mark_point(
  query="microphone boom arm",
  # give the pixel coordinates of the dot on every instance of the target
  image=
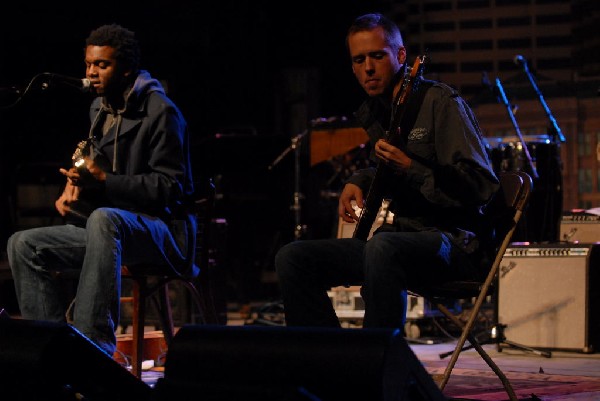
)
(554, 124)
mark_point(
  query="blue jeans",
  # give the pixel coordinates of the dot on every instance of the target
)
(112, 237)
(386, 266)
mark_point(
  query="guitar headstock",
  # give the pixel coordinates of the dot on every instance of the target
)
(82, 150)
(418, 66)
(411, 78)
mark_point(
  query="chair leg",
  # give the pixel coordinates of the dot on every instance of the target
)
(165, 313)
(138, 322)
(206, 291)
(466, 334)
(207, 315)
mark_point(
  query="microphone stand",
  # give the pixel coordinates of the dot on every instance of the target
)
(299, 228)
(504, 100)
(554, 125)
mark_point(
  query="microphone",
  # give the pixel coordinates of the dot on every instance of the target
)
(492, 88)
(83, 85)
(520, 60)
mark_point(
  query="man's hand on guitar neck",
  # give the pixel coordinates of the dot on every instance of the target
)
(392, 156)
(351, 192)
(92, 174)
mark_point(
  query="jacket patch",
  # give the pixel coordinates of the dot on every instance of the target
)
(417, 134)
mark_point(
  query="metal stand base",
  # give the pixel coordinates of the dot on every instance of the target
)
(496, 336)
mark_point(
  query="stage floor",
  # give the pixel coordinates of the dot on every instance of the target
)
(565, 376)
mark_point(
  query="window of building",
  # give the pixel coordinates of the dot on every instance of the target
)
(585, 180)
(514, 21)
(552, 19)
(501, 3)
(477, 66)
(466, 4)
(476, 24)
(558, 63)
(477, 45)
(439, 26)
(441, 67)
(437, 6)
(553, 41)
(553, 1)
(514, 43)
(441, 46)
(584, 147)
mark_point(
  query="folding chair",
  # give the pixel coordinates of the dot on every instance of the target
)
(505, 211)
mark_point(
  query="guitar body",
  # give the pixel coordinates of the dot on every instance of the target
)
(372, 203)
(384, 173)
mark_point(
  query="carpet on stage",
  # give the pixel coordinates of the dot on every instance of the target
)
(479, 385)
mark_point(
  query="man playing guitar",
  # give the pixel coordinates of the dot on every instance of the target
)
(437, 177)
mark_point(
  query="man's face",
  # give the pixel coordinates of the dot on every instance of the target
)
(103, 70)
(373, 62)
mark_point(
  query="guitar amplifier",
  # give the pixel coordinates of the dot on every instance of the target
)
(549, 296)
(580, 227)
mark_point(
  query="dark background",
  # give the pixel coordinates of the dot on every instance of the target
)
(230, 67)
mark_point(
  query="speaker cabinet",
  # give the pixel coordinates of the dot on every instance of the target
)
(548, 296)
(293, 363)
(46, 361)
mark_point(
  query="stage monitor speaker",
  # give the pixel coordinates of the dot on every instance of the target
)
(580, 227)
(45, 361)
(549, 296)
(291, 363)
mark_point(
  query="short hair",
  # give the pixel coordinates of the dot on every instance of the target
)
(127, 49)
(368, 22)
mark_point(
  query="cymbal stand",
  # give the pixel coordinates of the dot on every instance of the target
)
(299, 228)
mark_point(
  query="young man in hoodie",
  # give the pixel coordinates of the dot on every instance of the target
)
(124, 199)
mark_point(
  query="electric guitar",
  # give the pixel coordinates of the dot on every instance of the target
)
(396, 137)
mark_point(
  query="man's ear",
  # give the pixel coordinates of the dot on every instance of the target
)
(401, 56)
